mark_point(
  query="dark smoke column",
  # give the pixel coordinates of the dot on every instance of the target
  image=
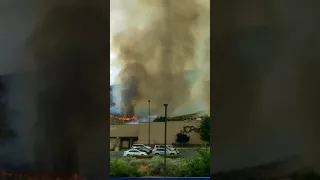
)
(129, 94)
(71, 52)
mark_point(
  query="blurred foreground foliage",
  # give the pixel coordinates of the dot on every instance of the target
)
(197, 166)
(124, 167)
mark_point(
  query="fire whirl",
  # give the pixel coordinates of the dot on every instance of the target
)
(123, 118)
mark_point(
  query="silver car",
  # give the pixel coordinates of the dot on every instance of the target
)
(134, 152)
(161, 151)
(141, 146)
(169, 147)
(142, 149)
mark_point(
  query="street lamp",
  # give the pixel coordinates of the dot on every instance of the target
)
(165, 139)
(149, 122)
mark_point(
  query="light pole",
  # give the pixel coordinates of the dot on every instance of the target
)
(165, 139)
(149, 122)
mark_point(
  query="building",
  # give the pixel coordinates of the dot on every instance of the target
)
(123, 136)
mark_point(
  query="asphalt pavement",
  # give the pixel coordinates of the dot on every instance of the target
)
(184, 153)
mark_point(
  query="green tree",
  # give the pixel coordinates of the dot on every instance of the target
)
(159, 119)
(205, 129)
(182, 138)
(197, 166)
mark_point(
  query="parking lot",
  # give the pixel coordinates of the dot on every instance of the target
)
(184, 153)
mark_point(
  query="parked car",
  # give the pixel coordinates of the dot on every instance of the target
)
(142, 149)
(171, 148)
(161, 151)
(134, 152)
(141, 146)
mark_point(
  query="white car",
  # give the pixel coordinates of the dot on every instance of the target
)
(160, 151)
(141, 146)
(134, 152)
(169, 147)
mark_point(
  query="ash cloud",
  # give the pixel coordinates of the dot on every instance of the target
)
(155, 43)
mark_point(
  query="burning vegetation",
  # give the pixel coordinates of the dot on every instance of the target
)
(120, 118)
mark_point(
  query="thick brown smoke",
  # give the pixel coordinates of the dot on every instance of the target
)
(156, 42)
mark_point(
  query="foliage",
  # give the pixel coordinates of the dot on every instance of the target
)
(159, 119)
(205, 129)
(182, 138)
(176, 119)
(197, 166)
(162, 119)
(156, 167)
(115, 121)
(119, 167)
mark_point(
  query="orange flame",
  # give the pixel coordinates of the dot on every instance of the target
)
(123, 118)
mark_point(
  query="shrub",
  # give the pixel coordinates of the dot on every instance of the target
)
(114, 121)
(205, 129)
(156, 167)
(144, 156)
(123, 167)
(182, 138)
(198, 166)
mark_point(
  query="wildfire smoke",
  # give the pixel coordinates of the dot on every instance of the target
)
(155, 42)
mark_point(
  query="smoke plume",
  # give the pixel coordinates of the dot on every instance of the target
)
(155, 43)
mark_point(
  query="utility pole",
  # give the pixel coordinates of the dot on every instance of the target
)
(165, 139)
(168, 55)
(149, 122)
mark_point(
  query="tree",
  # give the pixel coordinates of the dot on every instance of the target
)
(198, 165)
(159, 119)
(205, 129)
(182, 138)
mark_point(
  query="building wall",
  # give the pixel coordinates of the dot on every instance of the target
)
(141, 131)
(127, 130)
